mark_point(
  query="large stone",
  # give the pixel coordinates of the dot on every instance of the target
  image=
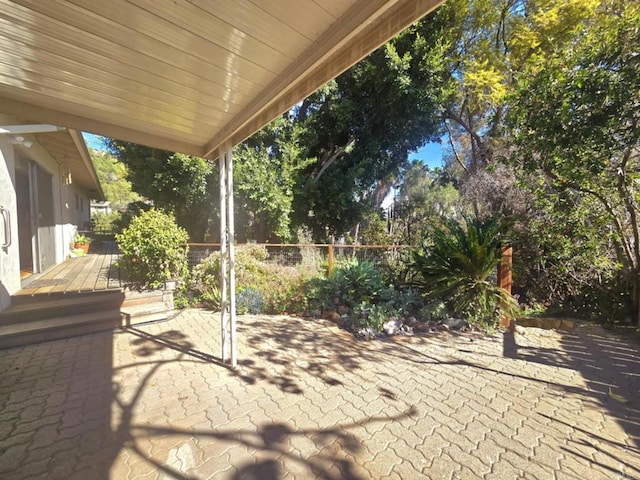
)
(421, 326)
(455, 323)
(392, 327)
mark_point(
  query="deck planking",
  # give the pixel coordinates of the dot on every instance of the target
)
(95, 271)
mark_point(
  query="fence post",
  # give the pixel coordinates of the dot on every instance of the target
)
(505, 279)
(330, 261)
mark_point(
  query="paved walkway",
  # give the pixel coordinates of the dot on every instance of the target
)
(311, 402)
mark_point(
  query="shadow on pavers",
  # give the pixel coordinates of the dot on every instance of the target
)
(69, 418)
(609, 363)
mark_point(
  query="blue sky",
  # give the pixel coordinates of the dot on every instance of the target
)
(430, 155)
(93, 141)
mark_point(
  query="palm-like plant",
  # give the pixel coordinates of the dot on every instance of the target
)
(459, 266)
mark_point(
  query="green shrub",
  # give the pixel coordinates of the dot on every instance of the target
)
(354, 282)
(460, 267)
(250, 301)
(372, 316)
(281, 287)
(154, 249)
(105, 223)
(205, 282)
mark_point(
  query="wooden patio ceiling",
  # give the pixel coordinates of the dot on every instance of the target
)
(183, 75)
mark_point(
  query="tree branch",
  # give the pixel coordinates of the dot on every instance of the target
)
(453, 147)
(607, 206)
(332, 158)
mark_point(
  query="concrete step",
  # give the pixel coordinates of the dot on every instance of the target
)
(144, 313)
(30, 332)
(41, 307)
(40, 318)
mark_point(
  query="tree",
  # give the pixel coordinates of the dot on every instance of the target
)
(265, 175)
(361, 127)
(175, 182)
(576, 118)
(489, 43)
(424, 197)
(113, 179)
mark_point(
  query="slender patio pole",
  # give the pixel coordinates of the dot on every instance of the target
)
(231, 254)
(224, 319)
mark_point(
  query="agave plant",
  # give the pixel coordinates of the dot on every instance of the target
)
(459, 267)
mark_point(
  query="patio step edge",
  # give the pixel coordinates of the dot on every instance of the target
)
(38, 331)
(69, 304)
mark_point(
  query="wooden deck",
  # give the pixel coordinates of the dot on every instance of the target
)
(89, 273)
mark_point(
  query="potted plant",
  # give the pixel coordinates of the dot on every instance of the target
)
(82, 242)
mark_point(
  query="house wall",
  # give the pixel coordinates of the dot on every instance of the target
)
(70, 208)
(9, 256)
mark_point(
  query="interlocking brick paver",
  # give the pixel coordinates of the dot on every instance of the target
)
(311, 402)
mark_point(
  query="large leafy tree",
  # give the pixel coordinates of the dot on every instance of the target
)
(178, 183)
(361, 127)
(113, 179)
(576, 117)
(489, 43)
(265, 175)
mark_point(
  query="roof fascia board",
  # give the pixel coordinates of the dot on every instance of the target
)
(80, 144)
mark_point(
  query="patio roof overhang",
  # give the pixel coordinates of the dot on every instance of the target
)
(188, 75)
(191, 76)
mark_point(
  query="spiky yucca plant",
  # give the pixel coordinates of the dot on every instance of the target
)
(458, 267)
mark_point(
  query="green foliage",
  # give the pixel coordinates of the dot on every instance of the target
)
(575, 120)
(435, 310)
(265, 176)
(361, 127)
(205, 282)
(280, 287)
(459, 268)
(372, 316)
(424, 197)
(112, 174)
(182, 184)
(81, 238)
(354, 282)
(250, 301)
(154, 249)
(105, 222)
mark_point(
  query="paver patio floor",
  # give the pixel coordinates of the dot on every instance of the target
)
(309, 401)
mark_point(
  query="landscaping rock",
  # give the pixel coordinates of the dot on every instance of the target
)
(333, 316)
(365, 334)
(392, 327)
(455, 323)
(410, 321)
(421, 326)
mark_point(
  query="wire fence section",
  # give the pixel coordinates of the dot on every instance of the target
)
(297, 254)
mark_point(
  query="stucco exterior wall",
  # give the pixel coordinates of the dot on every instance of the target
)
(9, 256)
(67, 209)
